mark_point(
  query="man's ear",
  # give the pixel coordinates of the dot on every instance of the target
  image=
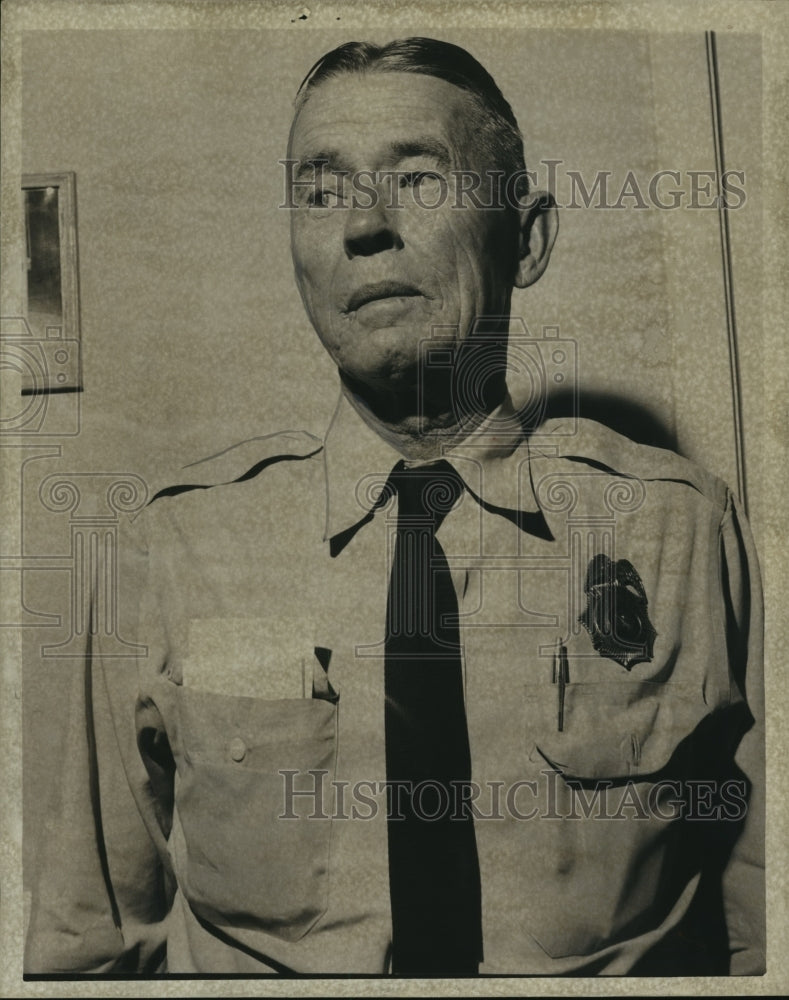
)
(539, 224)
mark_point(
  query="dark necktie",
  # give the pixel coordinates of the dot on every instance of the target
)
(433, 867)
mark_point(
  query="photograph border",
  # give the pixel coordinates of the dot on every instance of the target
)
(771, 21)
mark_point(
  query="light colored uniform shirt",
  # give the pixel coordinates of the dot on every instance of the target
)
(179, 844)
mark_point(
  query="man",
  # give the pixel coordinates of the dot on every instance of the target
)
(445, 694)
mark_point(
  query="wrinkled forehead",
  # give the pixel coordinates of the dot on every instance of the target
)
(366, 115)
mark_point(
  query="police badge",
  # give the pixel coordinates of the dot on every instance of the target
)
(616, 612)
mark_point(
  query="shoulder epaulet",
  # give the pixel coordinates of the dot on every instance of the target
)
(598, 445)
(240, 461)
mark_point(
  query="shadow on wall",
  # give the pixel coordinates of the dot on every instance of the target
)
(624, 416)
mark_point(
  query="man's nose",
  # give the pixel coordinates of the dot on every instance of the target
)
(369, 230)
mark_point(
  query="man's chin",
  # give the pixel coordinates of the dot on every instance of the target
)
(385, 377)
(386, 358)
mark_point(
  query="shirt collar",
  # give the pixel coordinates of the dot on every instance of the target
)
(493, 462)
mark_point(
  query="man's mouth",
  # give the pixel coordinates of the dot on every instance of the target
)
(380, 290)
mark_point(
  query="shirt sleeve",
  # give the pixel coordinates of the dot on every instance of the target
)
(744, 875)
(100, 892)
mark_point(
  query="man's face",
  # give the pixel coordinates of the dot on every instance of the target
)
(377, 279)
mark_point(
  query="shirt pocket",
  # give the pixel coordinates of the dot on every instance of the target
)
(246, 850)
(612, 730)
(607, 860)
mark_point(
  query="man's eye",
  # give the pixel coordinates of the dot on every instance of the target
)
(415, 178)
(324, 198)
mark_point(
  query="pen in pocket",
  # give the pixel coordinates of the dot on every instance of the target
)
(561, 675)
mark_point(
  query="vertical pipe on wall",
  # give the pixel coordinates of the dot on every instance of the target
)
(728, 286)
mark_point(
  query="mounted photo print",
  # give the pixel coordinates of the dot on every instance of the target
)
(52, 285)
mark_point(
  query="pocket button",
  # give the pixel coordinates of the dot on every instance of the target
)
(238, 749)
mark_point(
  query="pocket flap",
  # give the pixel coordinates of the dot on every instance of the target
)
(210, 723)
(612, 729)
